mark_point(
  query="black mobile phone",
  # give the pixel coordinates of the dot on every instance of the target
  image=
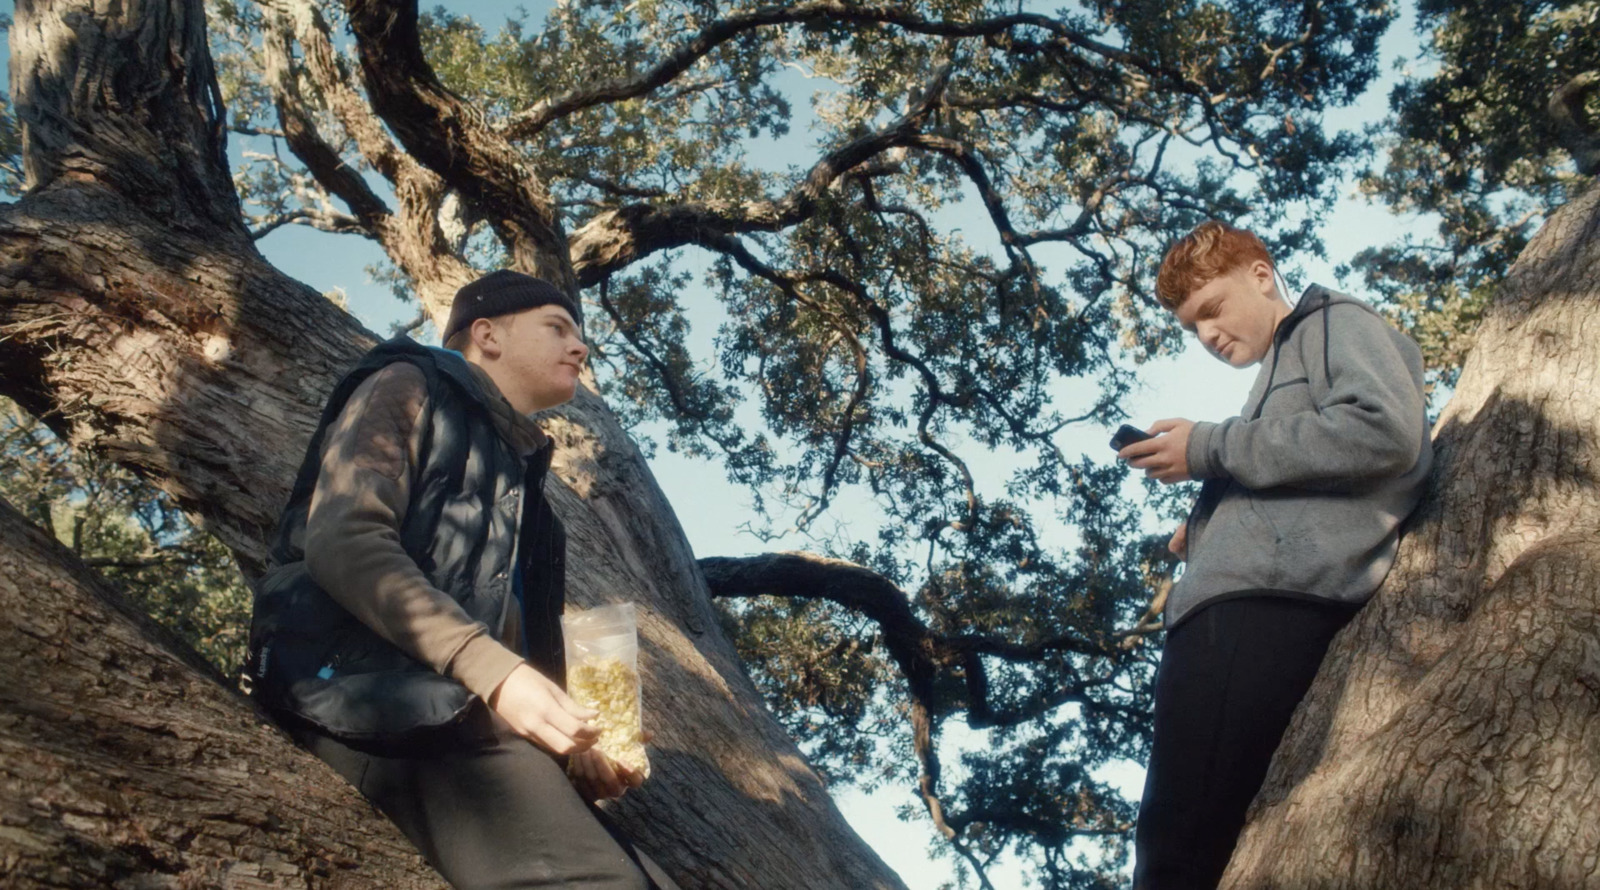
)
(1127, 435)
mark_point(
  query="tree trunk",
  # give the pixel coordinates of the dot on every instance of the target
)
(125, 762)
(1453, 737)
(137, 318)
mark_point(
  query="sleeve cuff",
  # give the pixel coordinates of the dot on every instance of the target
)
(1198, 452)
(483, 664)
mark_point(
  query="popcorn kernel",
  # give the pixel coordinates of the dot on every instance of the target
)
(611, 687)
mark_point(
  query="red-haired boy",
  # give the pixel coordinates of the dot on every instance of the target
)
(1296, 525)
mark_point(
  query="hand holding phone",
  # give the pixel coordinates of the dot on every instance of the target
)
(1166, 458)
(1127, 435)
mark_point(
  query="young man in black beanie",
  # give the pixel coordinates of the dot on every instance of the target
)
(408, 629)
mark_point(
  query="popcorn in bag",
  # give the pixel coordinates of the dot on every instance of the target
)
(603, 673)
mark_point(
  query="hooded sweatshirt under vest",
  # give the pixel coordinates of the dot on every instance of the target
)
(1304, 492)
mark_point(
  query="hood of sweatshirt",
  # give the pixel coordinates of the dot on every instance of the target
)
(1305, 490)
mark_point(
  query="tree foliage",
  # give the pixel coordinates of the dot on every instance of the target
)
(131, 534)
(1479, 140)
(948, 269)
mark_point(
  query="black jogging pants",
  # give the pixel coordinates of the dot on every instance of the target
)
(1231, 675)
(492, 816)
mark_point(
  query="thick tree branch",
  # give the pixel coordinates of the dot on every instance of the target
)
(806, 576)
(317, 219)
(796, 575)
(412, 236)
(621, 237)
(302, 22)
(921, 654)
(322, 160)
(127, 760)
(681, 59)
(257, 131)
(450, 137)
(71, 116)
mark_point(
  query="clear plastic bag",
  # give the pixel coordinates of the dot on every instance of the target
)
(603, 673)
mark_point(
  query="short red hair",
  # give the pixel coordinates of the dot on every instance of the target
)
(1209, 252)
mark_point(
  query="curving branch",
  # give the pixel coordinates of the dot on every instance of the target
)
(481, 162)
(790, 285)
(908, 639)
(729, 442)
(450, 137)
(999, 647)
(1313, 18)
(617, 238)
(735, 250)
(257, 131)
(528, 123)
(967, 159)
(937, 396)
(621, 237)
(921, 654)
(936, 392)
(321, 159)
(302, 22)
(618, 189)
(841, 439)
(411, 234)
(323, 220)
(1051, 831)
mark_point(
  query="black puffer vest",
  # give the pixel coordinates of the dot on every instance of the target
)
(476, 509)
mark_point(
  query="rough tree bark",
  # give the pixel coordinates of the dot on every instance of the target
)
(124, 761)
(137, 319)
(1453, 737)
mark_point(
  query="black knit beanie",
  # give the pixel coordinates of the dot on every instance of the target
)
(502, 293)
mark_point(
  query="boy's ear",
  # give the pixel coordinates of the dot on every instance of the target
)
(486, 337)
(1261, 272)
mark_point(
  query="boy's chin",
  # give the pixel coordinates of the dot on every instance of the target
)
(1245, 361)
(1242, 355)
(555, 397)
(1237, 358)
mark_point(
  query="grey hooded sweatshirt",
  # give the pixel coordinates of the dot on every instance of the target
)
(1304, 492)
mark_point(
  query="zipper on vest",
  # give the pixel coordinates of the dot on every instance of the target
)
(510, 576)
